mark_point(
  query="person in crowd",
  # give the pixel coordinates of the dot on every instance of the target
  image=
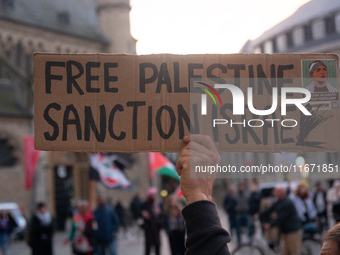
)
(305, 207)
(41, 231)
(320, 203)
(136, 207)
(152, 216)
(205, 234)
(174, 225)
(121, 215)
(254, 200)
(106, 225)
(254, 205)
(81, 230)
(331, 241)
(229, 205)
(136, 213)
(333, 203)
(271, 234)
(7, 224)
(287, 220)
(71, 211)
(242, 212)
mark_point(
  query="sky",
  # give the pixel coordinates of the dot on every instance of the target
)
(203, 26)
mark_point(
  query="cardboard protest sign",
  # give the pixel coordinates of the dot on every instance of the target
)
(131, 103)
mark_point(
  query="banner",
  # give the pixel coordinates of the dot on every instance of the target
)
(143, 103)
(31, 157)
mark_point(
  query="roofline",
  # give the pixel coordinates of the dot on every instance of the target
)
(102, 38)
(264, 37)
(17, 116)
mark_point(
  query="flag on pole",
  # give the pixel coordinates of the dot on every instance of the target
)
(104, 170)
(161, 165)
(178, 193)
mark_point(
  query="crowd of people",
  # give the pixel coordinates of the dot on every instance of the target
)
(94, 232)
(290, 212)
(285, 210)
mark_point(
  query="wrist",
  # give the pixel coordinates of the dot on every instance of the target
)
(197, 197)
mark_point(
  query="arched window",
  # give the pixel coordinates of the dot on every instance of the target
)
(7, 157)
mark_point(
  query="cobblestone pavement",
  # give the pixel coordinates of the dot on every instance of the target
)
(128, 244)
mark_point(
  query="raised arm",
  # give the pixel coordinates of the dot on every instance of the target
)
(205, 234)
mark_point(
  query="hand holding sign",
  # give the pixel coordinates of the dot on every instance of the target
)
(200, 150)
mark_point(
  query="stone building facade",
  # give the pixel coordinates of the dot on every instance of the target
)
(63, 26)
(313, 28)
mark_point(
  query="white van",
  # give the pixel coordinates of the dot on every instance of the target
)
(14, 209)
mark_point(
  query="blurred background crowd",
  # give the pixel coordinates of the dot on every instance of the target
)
(61, 190)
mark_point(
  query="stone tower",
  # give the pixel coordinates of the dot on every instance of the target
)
(114, 22)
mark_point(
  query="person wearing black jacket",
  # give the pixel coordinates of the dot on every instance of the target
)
(254, 200)
(41, 231)
(320, 203)
(287, 220)
(205, 234)
(229, 205)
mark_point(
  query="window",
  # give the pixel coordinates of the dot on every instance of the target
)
(281, 41)
(319, 29)
(298, 36)
(337, 22)
(268, 47)
(7, 157)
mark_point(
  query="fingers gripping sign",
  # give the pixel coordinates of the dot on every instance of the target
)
(199, 151)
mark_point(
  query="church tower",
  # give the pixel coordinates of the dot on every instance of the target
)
(114, 22)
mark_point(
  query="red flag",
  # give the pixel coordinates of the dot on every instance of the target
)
(161, 165)
(178, 193)
(31, 157)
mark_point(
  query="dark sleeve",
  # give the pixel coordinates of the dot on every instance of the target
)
(265, 215)
(283, 213)
(226, 203)
(205, 235)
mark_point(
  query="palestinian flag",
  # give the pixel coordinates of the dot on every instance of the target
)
(161, 165)
(104, 170)
(178, 193)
